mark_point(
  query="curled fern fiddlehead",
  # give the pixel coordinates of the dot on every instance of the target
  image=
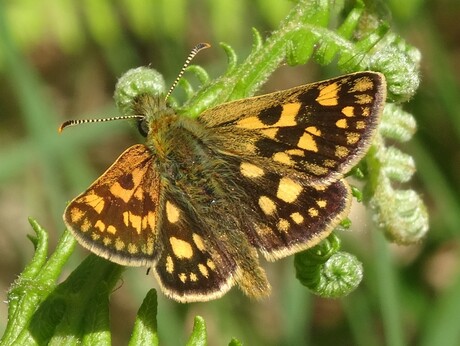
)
(326, 271)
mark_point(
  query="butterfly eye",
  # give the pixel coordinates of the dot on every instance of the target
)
(143, 127)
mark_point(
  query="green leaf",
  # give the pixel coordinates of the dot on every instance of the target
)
(198, 336)
(33, 287)
(145, 326)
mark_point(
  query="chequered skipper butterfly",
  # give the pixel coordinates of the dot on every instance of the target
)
(204, 196)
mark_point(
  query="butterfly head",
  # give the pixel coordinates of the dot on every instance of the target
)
(141, 91)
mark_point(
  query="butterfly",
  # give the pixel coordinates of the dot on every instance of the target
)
(203, 197)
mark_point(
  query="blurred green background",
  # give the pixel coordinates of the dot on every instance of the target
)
(60, 60)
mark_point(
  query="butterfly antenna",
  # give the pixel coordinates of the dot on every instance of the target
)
(195, 50)
(84, 121)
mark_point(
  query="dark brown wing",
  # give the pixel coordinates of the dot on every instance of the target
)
(320, 130)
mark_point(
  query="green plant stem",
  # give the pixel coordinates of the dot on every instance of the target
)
(387, 292)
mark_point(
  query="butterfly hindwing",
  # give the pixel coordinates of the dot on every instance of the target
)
(205, 248)
(290, 216)
(192, 265)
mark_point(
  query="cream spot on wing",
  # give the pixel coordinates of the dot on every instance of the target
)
(183, 277)
(251, 123)
(296, 152)
(86, 225)
(270, 133)
(139, 194)
(319, 187)
(263, 230)
(313, 212)
(307, 142)
(151, 219)
(169, 265)
(364, 99)
(341, 151)
(267, 205)
(147, 248)
(329, 163)
(119, 244)
(75, 214)
(144, 222)
(181, 248)
(297, 218)
(250, 148)
(352, 138)
(94, 201)
(283, 225)
(348, 111)
(290, 108)
(342, 123)
(362, 84)
(198, 242)
(95, 236)
(111, 229)
(288, 190)
(136, 222)
(126, 218)
(203, 270)
(360, 125)
(251, 171)
(172, 212)
(287, 118)
(283, 158)
(328, 96)
(132, 249)
(288, 115)
(321, 203)
(316, 169)
(125, 194)
(313, 130)
(118, 191)
(210, 264)
(100, 226)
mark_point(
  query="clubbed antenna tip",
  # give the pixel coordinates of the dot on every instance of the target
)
(195, 50)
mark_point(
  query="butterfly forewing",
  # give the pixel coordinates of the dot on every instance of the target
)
(116, 217)
(320, 129)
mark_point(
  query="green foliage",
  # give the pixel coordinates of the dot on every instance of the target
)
(328, 272)
(134, 82)
(34, 287)
(198, 337)
(145, 326)
(401, 214)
